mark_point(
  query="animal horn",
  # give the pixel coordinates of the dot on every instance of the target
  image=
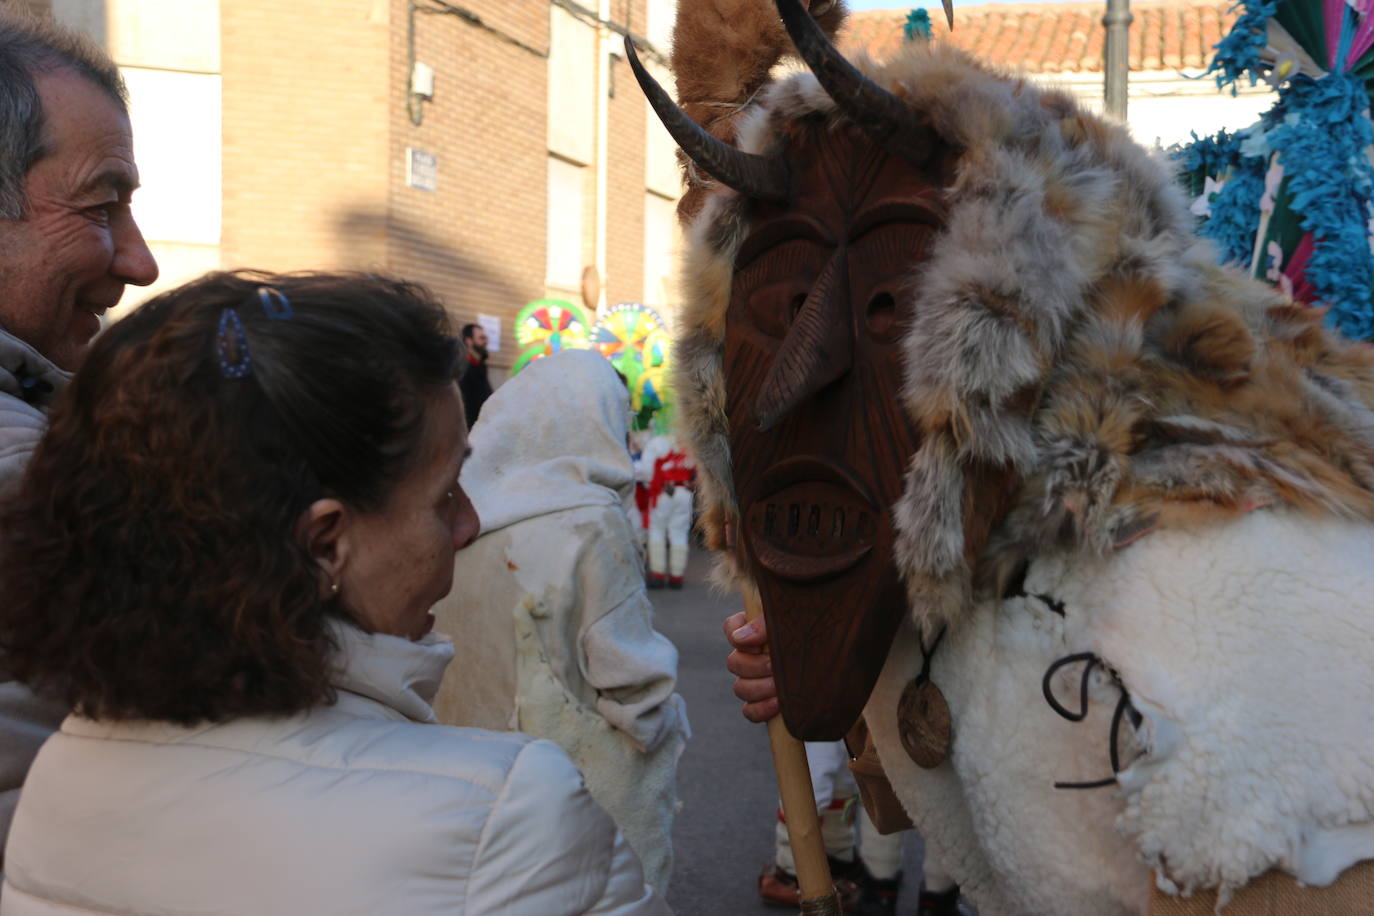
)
(761, 177)
(878, 112)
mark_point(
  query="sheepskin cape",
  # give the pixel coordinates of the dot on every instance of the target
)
(1244, 646)
(1073, 341)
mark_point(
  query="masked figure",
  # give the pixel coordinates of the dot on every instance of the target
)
(1020, 473)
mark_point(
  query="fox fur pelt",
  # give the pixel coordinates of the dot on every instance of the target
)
(1071, 336)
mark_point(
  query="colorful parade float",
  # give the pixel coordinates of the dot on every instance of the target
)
(631, 335)
(635, 339)
(546, 326)
(1076, 520)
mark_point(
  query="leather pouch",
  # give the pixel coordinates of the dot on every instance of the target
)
(875, 791)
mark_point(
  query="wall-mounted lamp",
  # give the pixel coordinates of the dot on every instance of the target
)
(422, 81)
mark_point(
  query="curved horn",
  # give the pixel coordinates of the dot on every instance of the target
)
(761, 177)
(878, 112)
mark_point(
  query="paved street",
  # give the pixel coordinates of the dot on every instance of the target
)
(724, 833)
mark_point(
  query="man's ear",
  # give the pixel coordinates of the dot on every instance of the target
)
(322, 528)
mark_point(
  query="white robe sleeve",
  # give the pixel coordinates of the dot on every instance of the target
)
(633, 669)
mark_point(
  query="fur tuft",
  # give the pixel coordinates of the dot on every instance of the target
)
(1080, 369)
(723, 51)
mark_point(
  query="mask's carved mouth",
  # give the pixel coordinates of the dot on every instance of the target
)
(816, 520)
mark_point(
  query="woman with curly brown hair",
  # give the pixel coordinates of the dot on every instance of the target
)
(223, 560)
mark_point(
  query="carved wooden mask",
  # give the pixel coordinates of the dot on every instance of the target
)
(819, 440)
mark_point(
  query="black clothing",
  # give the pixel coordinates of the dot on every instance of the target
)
(476, 388)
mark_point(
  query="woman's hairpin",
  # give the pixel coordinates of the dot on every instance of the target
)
(231, 341)
(274, 303)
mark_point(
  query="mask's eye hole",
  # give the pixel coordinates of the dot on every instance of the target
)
(774, 284)
(882, 314)
(774, 308)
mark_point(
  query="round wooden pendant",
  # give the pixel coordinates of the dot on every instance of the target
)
(923, 723)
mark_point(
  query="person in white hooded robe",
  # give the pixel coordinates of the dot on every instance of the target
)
(549, 610)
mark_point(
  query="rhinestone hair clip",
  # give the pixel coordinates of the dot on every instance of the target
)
(231, 337)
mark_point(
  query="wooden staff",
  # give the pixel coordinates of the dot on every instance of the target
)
(818, 895)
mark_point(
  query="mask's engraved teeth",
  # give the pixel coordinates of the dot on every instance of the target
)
(821, 522)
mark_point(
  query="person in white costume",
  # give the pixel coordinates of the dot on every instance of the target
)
(549, 602)
(669, 471)
(870, 882)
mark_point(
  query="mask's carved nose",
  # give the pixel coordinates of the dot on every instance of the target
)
(818, 349)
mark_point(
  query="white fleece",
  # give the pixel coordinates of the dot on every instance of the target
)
(990, 814)
(1248, 648)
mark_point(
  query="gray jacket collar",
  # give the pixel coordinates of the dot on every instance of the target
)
(27, 374)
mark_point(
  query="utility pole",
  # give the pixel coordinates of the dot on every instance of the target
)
(603, 120)
(1117, 62)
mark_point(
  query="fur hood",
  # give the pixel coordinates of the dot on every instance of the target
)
(1076, 348)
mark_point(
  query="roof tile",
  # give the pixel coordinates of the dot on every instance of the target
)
(1059, 37)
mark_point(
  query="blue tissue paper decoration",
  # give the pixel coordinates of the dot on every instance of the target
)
(1320, 132)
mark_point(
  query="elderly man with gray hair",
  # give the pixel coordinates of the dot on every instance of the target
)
(68, 247)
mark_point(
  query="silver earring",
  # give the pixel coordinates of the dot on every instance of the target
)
(333, 588)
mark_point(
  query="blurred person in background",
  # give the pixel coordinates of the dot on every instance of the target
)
(865, 863)
(475, 385)
(668, 473)
(754, 684)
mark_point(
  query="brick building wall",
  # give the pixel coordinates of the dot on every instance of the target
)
(625, 184)
(313, 122)
(305, 133)
(478, 239)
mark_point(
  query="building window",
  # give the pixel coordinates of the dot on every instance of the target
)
(566, 194)
(572, 87)
(661, 174)
(662, 245)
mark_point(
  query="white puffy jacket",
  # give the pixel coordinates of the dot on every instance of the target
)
(363, 807)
